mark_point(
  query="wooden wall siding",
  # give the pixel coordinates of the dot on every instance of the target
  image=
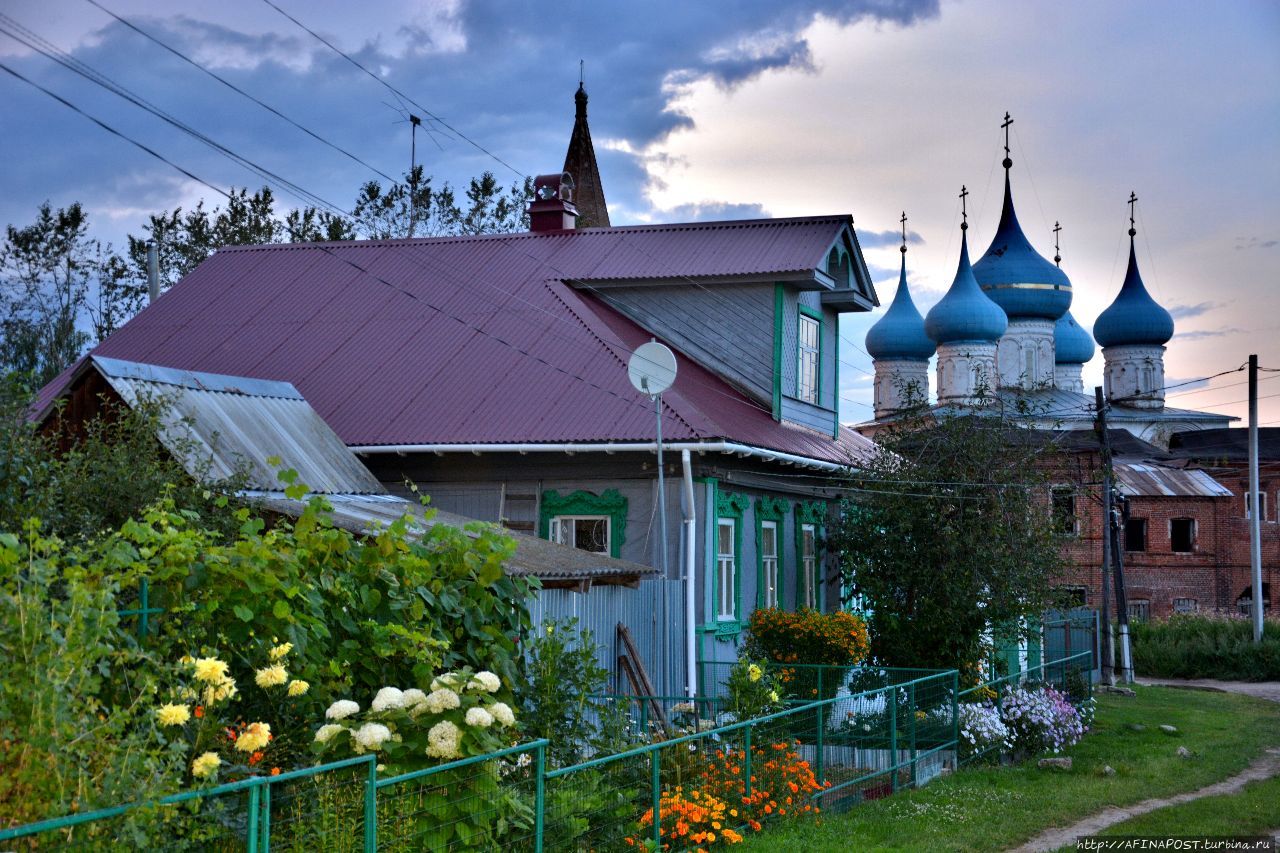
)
(727, 328)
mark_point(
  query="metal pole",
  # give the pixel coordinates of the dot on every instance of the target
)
(662, 489)
(1255, 517)
(1108, 676)
(540, 797)
(1122, 600)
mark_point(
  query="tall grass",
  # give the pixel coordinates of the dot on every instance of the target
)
(1206, 647)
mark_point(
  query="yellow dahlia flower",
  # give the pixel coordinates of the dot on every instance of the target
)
(172, 715)
(271, 676)
(281, 650)
(254, 737)
(211, 670)
(205, 765)
(298, 687)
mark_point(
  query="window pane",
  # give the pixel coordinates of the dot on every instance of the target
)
(591, 534)
(726, 569)
(807, 379)
(769, 562)
(808, 565)
(1064, 509)
(1139, 610)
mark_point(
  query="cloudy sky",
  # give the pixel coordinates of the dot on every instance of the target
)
(702, 111)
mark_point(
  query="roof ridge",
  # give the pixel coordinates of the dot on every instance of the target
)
(657, 227)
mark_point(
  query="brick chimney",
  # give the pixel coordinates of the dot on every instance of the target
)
(552, 206)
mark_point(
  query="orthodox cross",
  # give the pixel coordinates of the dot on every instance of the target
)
(1005, 127)
(1133, 200)
(582, 72)
(904, 232)
(1057, 252)
(964, 208)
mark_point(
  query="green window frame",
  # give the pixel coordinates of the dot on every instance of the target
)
(730, 507)
(809, 589)
(610, 504)
(814, 317)
(770, 510)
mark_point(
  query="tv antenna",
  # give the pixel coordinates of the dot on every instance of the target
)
(652, 370)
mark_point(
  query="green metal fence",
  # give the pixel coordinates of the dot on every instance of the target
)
(828, 754)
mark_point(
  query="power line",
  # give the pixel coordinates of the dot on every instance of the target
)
(37, 43)
(109, 129)
(240, 91)
(397, 92)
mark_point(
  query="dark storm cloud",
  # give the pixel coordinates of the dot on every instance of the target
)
(507, 82)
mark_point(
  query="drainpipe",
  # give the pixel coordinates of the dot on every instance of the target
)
(690, 575)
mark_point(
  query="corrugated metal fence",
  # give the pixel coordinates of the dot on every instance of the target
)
(653, 612)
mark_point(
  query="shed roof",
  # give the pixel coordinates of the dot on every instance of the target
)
(1146, 480)
(476, 339)
(534, 557)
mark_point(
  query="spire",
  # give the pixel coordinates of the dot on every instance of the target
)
(899, 334)
(1134, 318)
(1008, 163)
(580, 163)
(1057, 250)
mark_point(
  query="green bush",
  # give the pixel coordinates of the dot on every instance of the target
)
(1219, 647)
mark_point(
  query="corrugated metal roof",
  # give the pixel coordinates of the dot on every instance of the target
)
(217, 425)
(474, 340)
(1145, 480)
(537, 557)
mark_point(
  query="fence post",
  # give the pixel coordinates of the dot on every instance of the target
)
(893, 738)
(251, 843)
(955, 713)
(822, 763)
(656, 779)
(820, 693)
(540, 797)
(265, 807)
(746, 764)
(371, 808)
(911, 704)
(144, 601)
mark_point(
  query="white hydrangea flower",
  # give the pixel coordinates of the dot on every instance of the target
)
(414, 696)
(502, 712)
(443, 740)
(388, 699)
(479, 718)
(342, 709)
(372, 736)
(485, 682)
(448, 681)
(325, 733)
(444, 699)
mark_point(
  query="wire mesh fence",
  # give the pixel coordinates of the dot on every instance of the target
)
(685, 775)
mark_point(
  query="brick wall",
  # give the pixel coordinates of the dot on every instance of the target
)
(1213, 575)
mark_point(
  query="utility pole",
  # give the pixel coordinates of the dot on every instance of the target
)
(1121, 514)
(1255, 517)
(1100, 425)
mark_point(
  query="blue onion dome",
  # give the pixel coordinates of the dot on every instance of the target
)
(900, 332)
(965, 313)
(1014, 274)
(1134, 318)
(1071, 343)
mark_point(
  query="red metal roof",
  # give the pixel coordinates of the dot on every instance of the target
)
(474, 340)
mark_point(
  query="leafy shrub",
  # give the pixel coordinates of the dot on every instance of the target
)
(753, 691)
(1201, 646)
(77, 730)
(1040, 719)
(808, 638)
(561, 677)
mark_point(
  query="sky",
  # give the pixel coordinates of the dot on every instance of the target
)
(778, 108)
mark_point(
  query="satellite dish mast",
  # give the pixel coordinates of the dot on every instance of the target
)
(652, 370)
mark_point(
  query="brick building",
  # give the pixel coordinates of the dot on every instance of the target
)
(1185, 542)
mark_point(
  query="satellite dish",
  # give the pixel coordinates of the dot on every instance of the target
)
(652, 368)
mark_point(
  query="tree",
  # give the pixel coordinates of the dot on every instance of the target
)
(412, 208)
(45, 273)
(947, 534)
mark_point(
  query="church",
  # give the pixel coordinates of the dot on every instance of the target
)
(1004, 328)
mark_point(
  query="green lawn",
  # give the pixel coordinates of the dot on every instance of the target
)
(996, 808)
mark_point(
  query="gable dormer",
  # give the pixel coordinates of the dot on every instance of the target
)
(762, 314)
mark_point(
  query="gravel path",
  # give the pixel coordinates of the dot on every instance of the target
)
(1264, 767)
